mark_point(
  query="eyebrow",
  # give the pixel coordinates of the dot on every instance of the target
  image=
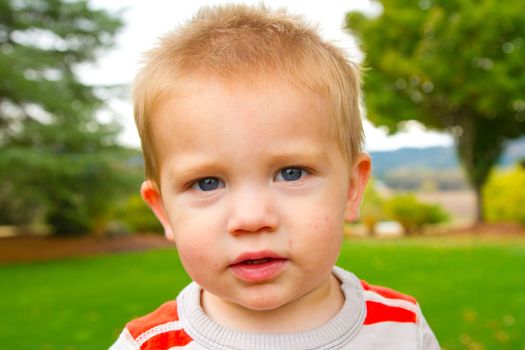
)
(188, 172)
(201, 165)
(297, 157)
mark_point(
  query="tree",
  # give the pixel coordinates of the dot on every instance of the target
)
(57, 161)
(455, 66)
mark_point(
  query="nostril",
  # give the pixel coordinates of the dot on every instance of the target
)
(239, 229)
(266, 222)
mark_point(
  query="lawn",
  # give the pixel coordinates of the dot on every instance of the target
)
(472, 291)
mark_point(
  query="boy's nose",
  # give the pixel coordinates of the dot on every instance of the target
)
(252, 211)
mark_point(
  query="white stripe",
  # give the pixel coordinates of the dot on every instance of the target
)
(125, 341)
(404, 304)
(163, 328)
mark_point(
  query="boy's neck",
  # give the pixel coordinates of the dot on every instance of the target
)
(308, 312)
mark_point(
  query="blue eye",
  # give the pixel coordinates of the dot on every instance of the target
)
(207, 184)
(290, 174)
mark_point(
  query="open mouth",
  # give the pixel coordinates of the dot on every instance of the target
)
(258, 261)
(257, 258)
(258, 267)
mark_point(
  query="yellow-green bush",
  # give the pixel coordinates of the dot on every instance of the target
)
(371, 210)
(137, 217)
(412, 214)
(504, 195)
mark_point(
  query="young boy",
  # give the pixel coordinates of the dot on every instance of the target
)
(251, 133)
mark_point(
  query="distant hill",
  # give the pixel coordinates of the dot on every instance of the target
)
(430, 158)
(411, 168)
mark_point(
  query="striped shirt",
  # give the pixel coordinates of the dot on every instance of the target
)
(372, 317)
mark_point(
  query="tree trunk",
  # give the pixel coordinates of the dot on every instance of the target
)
(479, 205)
(479, 148)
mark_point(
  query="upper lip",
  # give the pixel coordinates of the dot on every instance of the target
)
(262, 254)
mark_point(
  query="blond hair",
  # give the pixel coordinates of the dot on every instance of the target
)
(236, 42)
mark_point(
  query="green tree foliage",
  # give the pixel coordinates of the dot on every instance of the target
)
(412, 214)
(57, 162)
(504, 195)
(451, 65)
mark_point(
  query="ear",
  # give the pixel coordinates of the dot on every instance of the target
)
(151, 195)
(358, 177)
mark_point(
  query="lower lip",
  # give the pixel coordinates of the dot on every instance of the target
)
(258, 272)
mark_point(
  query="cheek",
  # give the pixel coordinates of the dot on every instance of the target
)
(190, 251)
(321, 236)
(196, 244)
(325, 216)
(197, 261)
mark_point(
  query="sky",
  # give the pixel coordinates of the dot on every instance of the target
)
(146, 21)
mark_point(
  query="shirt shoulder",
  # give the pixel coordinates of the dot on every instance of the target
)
(160, 329)
(388, 305)
(390, 313)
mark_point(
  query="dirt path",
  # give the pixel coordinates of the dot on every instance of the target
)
(38, 248)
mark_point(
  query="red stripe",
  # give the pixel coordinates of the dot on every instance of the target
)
(166, 340)
(388, 293)
(167, 312)
(378, 312)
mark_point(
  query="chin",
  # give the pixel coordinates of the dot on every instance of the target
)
(262, 303)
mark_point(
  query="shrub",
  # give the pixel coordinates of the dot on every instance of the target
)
(412, 214)
(137, 217)
(504, 195)
(371, 210)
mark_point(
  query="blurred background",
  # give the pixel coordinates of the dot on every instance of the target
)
(443, 217)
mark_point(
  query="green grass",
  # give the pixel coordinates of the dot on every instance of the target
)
(472, 291)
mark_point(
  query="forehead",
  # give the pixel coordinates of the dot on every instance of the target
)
(212, 106)
(241, 119)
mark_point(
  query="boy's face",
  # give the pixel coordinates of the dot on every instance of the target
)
(254, 190)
